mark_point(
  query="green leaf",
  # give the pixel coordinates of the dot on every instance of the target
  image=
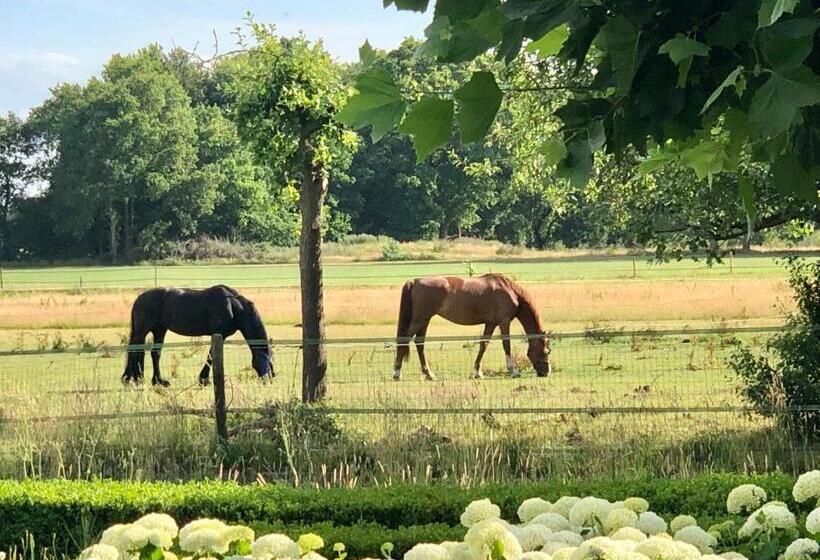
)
(746, 188)
(619, 39)
(577, 165)
(478, 103)
(240, 547)
(553, 150)
(414, 5)
(705, 158)
(429, 122)
(771, 10)
(682, 50)
(551, 43)
(776, 103)
(151, 552)
(378, 103)
(791, 178)
(730, 81)
(786, 44)
(366, 54)
(657, 159)
(736, 123)
(387, 550)
(596, 136)
(474, 36)
(439, 34)
(497, 550)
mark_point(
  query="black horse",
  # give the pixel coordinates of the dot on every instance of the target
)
(215, 310)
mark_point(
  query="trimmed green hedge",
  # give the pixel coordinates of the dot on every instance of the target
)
(77, 511)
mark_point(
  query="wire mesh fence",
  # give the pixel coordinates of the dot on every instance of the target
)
(608, 390)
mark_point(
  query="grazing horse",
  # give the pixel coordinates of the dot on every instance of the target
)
(491, 299)
(215, 310)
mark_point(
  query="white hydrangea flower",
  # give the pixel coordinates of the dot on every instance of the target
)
(659, 548)
(588, 511)
(111, 536)
(310, 555)
(618, 519)
(569, 537)
(532, 536)
(459, 551)
(274, 546)
(162, 529)
(682, 521)
(479, 510)
(594, 548)
(233, 533)
(636, 504)
(628, 534)
(536, 555)
(696, 536)
(483, 535)
(98, 552)
(531, 507)
(807, 486)
(813, 522)
(564, 553)
(770, 517)
(801, 549)
(172, 556)
(132, 537)
(651, 523)
(564, 504)
(427, 551)
(552, 521)
(746, 497)
(551, 547)
(204, 536)
(234, 557)
(732, 555)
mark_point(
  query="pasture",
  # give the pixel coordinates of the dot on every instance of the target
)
(619, 402)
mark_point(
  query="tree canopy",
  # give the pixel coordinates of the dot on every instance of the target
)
(693, 83)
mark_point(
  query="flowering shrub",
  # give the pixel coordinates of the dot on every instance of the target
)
(572, 528)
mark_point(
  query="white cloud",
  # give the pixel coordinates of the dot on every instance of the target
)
(25, 78)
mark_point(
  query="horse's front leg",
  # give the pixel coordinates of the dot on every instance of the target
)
(156, 351)
(482, 347)
(204, 375)
(134, 360)
(505, 332)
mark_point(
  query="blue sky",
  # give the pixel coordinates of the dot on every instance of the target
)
(45, 42)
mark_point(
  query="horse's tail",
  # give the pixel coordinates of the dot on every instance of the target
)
(405, 312)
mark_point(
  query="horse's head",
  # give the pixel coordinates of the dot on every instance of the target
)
(262, 362)
(539, 354)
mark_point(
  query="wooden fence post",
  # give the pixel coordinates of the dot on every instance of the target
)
(634, 269)
(218, 368)
(1, 278)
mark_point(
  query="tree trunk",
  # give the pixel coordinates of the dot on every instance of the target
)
(112, 231)
(128, 228)
(442, 230)
(314, 364)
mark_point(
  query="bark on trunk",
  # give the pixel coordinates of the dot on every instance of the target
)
(314, 364)
(112, 232)
(128, 228)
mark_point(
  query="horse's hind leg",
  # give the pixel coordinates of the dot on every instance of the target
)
(134, 360)
(482, 347)
(206, 371)
(505, 332)
(419, 340)
(156, 351)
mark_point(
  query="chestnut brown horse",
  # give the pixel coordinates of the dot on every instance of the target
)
(492, 300)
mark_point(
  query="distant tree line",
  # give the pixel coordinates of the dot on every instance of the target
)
(149, 153)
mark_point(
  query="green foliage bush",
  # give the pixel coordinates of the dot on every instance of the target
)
(392, 251)
(77, 510)
(788, 375)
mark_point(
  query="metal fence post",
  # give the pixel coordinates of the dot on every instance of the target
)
(218, 367)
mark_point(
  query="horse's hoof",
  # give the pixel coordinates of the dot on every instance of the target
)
(160, 382)
(515, 375)
(428, 375)
(397, 375)
(204, 381)
(478, 374)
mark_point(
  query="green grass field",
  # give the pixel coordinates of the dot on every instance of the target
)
(649, 404)
(384, 273)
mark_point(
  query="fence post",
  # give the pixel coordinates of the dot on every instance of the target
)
(81, 282)
(155, 276)
(634, 269)
(218, 368)
(731, 261)
(1, 278)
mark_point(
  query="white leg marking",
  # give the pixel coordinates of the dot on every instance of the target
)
(511, 367)
(428, 374)
(478, 374)
(396, 374)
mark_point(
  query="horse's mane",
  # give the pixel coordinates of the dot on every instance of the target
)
(253, 328)
(527, 310)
